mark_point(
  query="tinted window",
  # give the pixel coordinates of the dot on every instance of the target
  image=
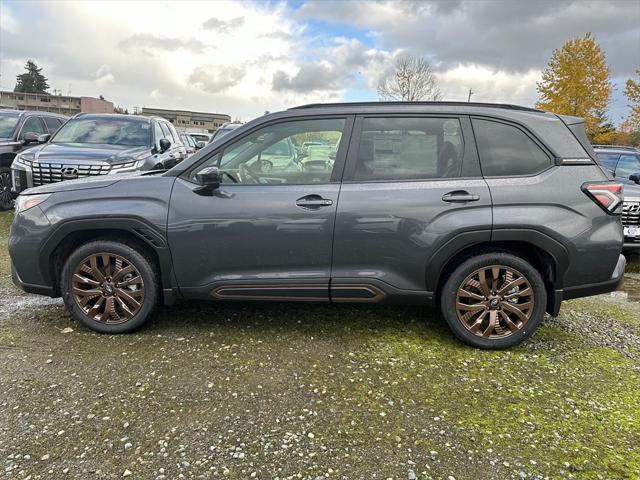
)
(273, 154)
(627, 165)
(608, 160)
(7, 125)
(104, 131)
(32, 125)
(52, 123)
(408, 148)
(174, 134)
(506, 150)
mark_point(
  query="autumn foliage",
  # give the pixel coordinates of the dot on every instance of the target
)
(577, 82)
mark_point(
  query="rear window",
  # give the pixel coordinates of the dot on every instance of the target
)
(608, 160)
(506, 150)
(408, 148)
(52, 123)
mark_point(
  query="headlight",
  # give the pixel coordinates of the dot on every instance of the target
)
(25, 202)
(127, 166)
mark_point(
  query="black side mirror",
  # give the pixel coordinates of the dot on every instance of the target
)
(164, 145)
(30, 137)
(635, 177)
(44, 138)
(209, 179)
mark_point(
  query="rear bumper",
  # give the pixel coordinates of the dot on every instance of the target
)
(588, 289)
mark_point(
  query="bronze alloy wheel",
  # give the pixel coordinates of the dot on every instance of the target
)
(108, 288)
(494, 302)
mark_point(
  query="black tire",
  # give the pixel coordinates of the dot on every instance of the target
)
(6, 197)
(143, 267)
(502, 338)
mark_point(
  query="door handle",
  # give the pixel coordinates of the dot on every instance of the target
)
(460, 196)
(313, 202)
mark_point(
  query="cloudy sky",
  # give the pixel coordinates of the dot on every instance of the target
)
(243, 58)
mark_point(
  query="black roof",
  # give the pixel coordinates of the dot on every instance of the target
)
(410, 104)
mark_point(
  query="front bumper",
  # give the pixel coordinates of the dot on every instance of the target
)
(30, 287)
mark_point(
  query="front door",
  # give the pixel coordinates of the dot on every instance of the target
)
(412, 193)
(267, 231)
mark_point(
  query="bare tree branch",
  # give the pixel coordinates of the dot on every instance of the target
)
(412, 81)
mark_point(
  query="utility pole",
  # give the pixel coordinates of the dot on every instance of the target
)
(471, 92)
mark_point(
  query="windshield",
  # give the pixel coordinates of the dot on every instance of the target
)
(120, 131)
(7, 125)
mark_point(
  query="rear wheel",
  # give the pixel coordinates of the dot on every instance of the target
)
(109, 287)
(494, 300)
(6, 197)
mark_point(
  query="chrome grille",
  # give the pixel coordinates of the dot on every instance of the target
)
(631, 214)
(44, 173)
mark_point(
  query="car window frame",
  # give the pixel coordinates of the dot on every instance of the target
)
(19, 137)
(339, 163)
(154, 138)
(554, 161)
(56, 119)
(469, 170)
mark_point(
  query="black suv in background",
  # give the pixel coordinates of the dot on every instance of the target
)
(495, 213)
(624, 164)
(99, 144)
(19, 128)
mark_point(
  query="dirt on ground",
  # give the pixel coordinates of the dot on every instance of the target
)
(288, 391)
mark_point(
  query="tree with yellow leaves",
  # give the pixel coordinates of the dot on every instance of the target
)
(577, 82)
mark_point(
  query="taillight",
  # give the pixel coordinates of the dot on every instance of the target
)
(607, 195)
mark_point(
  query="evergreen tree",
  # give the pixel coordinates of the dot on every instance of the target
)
(33, 81)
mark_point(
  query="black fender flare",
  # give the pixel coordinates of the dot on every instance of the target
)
(441, 257)
(140, 228)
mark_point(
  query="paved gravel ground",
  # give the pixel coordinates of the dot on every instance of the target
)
(305, 391)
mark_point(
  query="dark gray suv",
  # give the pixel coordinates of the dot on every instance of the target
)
(493, 212)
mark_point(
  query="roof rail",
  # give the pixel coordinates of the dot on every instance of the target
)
(619, 147)
(445, 104)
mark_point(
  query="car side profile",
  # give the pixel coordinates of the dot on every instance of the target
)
(20, 129)
(491, 212)
(91, 145)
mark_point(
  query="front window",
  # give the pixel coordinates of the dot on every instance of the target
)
(274, 154)
(123, 132)
(7, 126)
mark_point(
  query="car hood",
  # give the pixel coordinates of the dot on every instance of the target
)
(70, 153)
(87, 183)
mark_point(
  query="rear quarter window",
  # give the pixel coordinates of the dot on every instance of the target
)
(506, 150)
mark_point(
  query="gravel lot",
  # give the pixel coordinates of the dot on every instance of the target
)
(304, 391)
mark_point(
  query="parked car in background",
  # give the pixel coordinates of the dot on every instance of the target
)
(224, 129)
(201, 137)
(495, 213)
(18, 129)
(98, 144)
(624, 163)
(189, 143)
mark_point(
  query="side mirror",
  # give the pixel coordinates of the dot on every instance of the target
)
(164, 145)
(209, 179)
(44, 138)
(30, 137)
(201, 144)
(635, 177)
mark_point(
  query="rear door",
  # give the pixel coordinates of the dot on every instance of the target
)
(412, 191)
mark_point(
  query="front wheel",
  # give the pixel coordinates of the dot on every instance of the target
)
(494, 300)
(6, 196)
(109, 286)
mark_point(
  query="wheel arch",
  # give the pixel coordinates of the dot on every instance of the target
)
(134, 232)
(6, 159)
(548, 256)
